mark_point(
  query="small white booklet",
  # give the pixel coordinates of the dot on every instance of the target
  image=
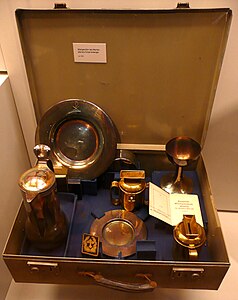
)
(171, 208)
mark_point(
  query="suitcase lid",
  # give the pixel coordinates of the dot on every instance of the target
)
(161, 71)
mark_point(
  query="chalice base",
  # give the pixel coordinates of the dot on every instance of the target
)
(171, 185)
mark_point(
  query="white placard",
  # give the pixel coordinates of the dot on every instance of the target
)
(90, 52)
(171, 208)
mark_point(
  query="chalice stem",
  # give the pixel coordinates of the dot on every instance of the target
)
(179, 174)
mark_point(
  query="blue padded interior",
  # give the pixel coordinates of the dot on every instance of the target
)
(81, 213)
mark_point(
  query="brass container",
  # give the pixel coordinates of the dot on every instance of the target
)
(190, 236)
(118, 231)
(46, 224)
(130, 190)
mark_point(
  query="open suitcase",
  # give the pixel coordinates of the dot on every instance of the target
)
(155, 76)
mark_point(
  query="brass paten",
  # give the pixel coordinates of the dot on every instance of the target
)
(119, 230)
(190, 234)
(129, 190)
(82, 137)
(181, 151)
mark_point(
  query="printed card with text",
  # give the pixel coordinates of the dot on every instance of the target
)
(170, 208)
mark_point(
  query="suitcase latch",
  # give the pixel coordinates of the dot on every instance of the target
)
(192, 273)
(36, 266)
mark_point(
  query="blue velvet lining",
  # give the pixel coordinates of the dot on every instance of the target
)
(83, 212)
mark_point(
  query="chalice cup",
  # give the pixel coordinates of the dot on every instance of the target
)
(181, 151)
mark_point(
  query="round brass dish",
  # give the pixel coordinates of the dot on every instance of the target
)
(118, 230)
(82, 138)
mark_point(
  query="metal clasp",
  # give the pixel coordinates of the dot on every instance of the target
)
(183, 5)
(193, 273)
(37, 266)
(60, 6)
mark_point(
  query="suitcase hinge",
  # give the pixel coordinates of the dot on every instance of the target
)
(60, 6)
(183, 5)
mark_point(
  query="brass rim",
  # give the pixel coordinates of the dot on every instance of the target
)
(124, 230)
(81, 135)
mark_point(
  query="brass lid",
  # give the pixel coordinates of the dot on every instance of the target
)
(36, 180)
(132, 181)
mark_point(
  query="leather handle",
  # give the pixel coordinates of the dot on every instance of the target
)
(149, 286)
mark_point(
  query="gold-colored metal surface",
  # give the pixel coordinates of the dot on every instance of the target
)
(181, 151)
(132, 174)
(132, 182)
(118, 230)
(36, 180)
(130, 189)
(190, 234)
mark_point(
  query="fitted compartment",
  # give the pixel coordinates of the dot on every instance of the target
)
(92, 206)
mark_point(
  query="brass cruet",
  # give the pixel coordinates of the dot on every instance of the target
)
(46, 224)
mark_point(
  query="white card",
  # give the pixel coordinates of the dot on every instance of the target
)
(171, 208)
(90, 52)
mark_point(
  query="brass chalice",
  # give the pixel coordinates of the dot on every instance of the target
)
(181, 151)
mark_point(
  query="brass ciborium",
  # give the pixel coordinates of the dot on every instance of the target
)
(181, 151)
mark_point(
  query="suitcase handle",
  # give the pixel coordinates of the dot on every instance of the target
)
(149, 286)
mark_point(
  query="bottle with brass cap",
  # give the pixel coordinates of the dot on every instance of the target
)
(189, 236)
(130, 190)
(46, 224)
